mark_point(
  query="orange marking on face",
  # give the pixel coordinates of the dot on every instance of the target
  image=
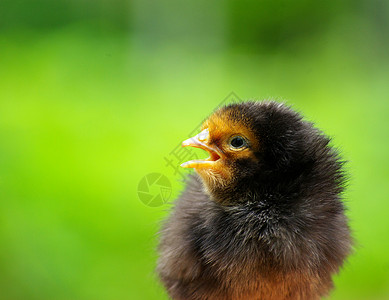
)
(222, 127)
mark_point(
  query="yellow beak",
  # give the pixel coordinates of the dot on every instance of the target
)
(201, 141)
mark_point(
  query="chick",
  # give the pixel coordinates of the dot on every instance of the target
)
(262, 218)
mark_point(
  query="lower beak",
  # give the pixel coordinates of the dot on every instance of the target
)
(199, 141)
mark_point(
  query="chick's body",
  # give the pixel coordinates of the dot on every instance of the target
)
(263, 217)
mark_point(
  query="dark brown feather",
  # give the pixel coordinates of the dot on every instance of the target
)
(277, 231)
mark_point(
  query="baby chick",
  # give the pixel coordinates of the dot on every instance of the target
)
(263, 216)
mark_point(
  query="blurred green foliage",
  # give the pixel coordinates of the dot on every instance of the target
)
(94, 95)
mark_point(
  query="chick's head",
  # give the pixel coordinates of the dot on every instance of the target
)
(251, 145)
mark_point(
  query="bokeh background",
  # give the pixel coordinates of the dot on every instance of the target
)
(94, 95)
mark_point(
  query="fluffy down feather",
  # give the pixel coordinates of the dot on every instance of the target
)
(274, 228)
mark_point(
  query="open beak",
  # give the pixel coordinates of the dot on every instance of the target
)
(201, 141)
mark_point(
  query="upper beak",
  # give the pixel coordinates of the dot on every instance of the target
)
(201, 141)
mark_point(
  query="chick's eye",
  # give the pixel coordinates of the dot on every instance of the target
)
(238, 142)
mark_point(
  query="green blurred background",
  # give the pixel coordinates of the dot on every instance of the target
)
(95, 94)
